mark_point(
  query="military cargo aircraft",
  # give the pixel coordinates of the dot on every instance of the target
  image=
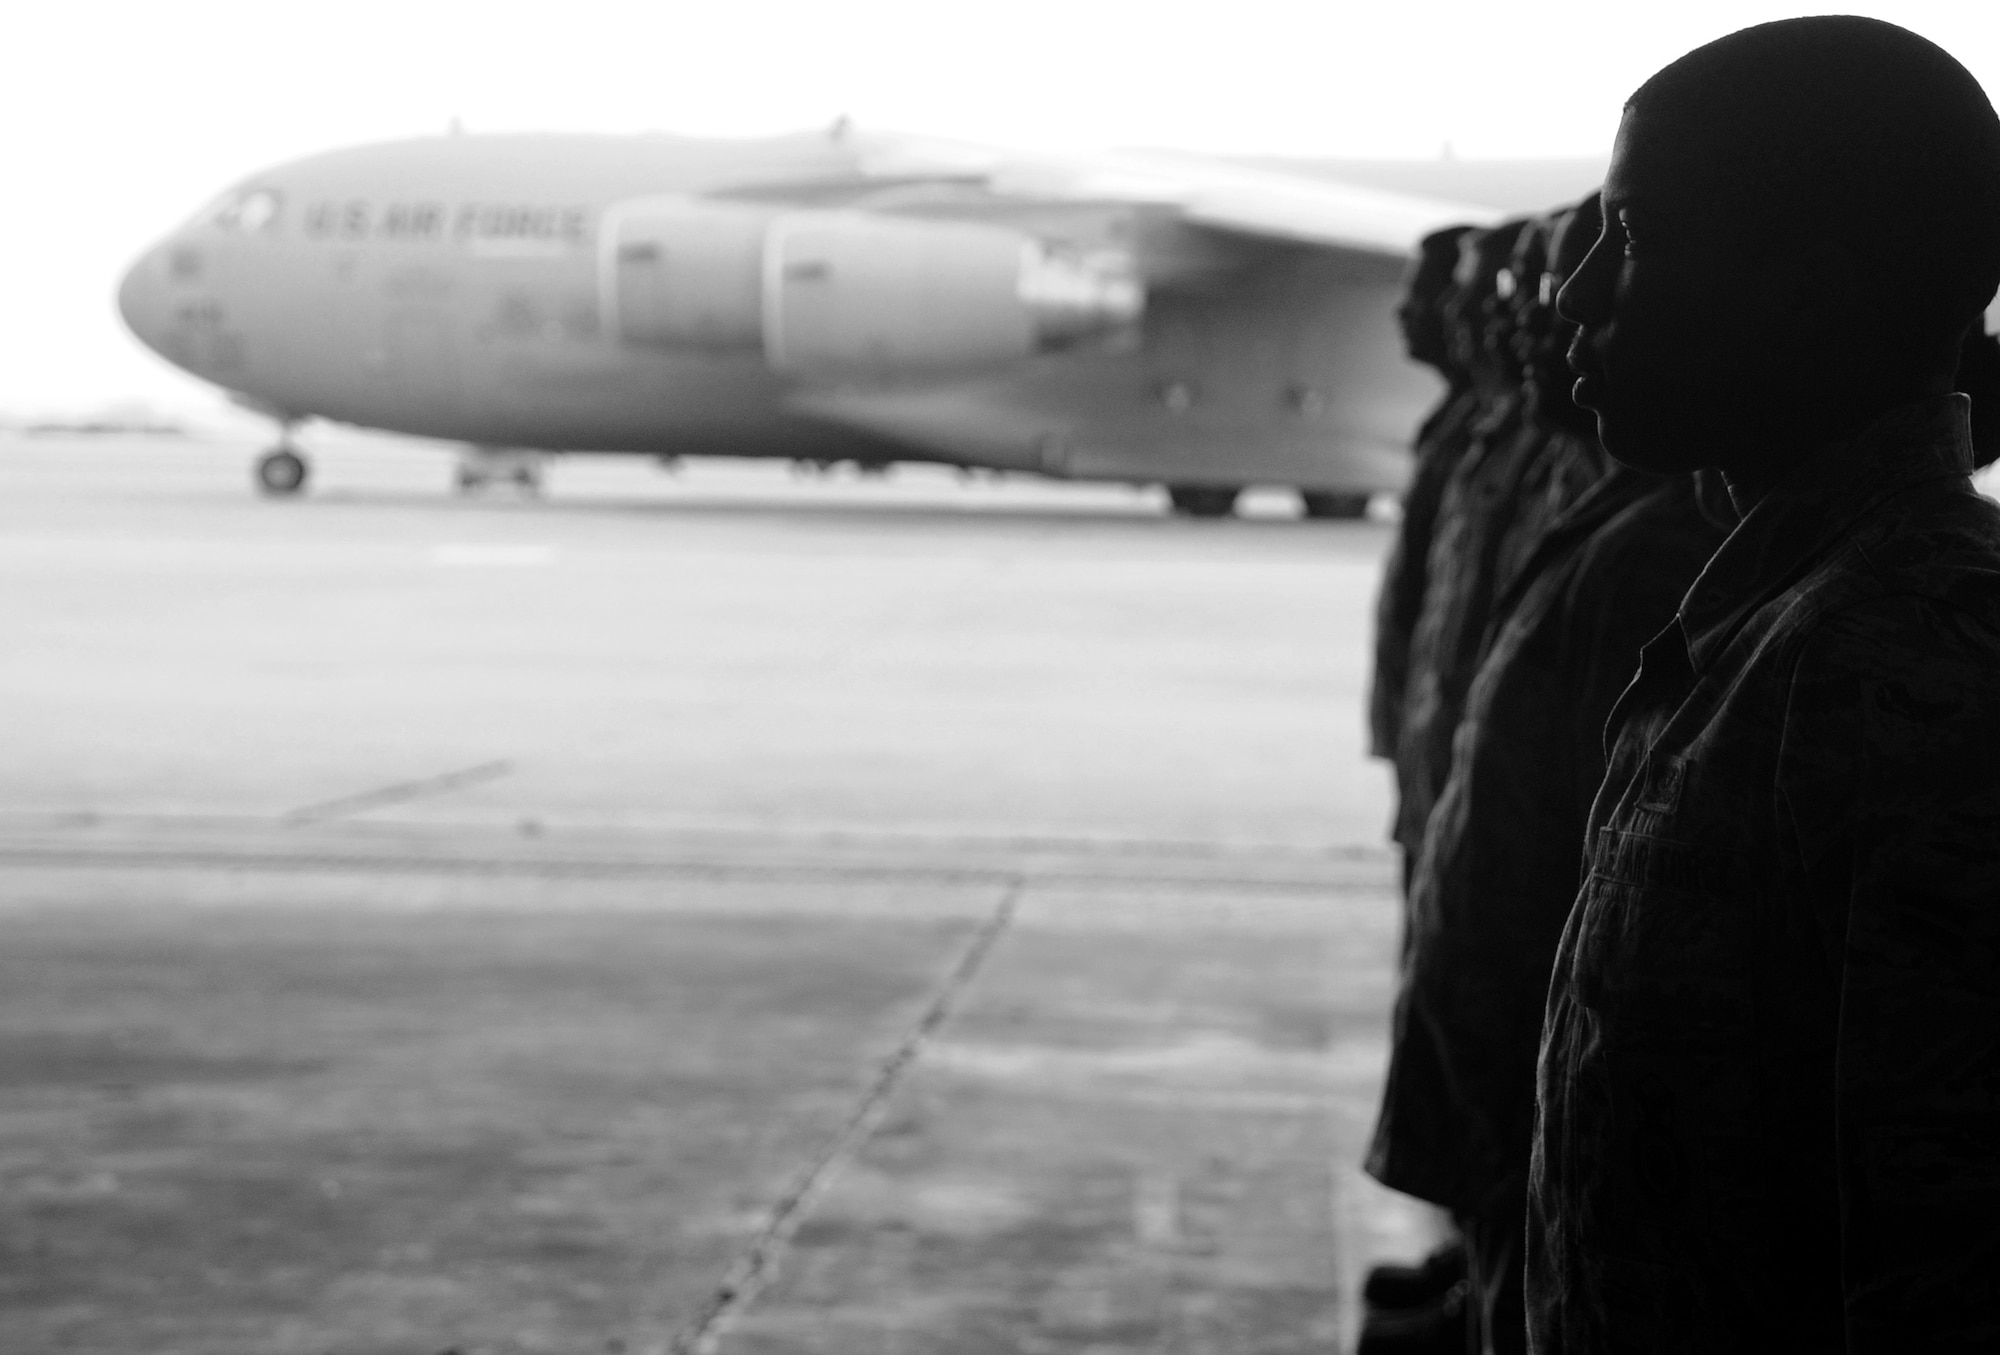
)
(831, 297)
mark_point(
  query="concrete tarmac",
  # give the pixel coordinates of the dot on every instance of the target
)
(717, 912)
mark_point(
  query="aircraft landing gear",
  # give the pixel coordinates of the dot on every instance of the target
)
(482, 466)
(281, 472)
(1203, 501)
(1321, 503)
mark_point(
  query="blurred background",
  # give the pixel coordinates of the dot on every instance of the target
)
(118, 120)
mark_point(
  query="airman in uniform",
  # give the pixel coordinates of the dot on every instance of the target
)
(1441, 440)
(1427, 1297)
(1476, 503)
(1520, 474)
(1601, 569)
(1769, 1080)
(1518, 471)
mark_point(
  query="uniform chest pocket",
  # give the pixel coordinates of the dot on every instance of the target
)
(1660, 791)
(1665, 950)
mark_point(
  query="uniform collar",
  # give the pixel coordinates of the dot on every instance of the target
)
(1617, 489)
(1497, 413)
(1815, 505)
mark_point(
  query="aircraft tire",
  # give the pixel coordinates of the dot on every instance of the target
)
(281, 472)
(1320, 503)
(1203, 501)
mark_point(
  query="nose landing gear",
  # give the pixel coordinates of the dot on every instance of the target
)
(282, 472)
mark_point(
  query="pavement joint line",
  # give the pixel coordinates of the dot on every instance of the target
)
(757, 1265)
(398, 792)
(155, 858)
(1103, 846)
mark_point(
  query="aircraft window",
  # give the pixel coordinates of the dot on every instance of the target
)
(260, 209)
(251, 212)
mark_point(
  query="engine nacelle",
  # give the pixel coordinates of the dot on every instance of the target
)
(684, 273)
(850, 293)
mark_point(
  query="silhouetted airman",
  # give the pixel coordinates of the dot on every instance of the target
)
(1605, 556)
(1769, 1082)
(1440, 442)
(1476, 491)
(1478, 504)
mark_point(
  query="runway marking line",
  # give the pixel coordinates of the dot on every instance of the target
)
(398, 792)
(757, 1265)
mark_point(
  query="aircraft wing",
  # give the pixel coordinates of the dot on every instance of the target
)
(1528, 185)
(1236, 200)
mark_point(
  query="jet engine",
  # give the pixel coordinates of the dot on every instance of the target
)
(851, 294)
(687, 274)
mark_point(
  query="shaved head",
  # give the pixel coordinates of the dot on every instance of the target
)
(1482, 256)
(1421, 312)
(1801, 222)
(1855, 129)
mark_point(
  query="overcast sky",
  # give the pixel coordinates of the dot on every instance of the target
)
(116, 120)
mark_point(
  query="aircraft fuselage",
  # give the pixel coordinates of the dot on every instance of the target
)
(482, 289)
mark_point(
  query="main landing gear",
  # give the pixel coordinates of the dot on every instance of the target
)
(282, 471)
(1322, 503)
(482, 466)
(1219, 501)
(1203, 501)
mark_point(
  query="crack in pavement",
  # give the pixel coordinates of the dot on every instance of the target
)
(398, 792)
(757, 1265)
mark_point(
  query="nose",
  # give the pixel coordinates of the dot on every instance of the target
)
(142, 297)
(1581, 299)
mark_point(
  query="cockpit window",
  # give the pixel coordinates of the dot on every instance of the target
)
(250, 211)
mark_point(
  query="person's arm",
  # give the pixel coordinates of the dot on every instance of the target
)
(1890, 783)
(1404, 578)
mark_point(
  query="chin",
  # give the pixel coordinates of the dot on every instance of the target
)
(1637, 443)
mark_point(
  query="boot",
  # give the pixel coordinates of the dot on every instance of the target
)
(1397, 1286)
(1440, 1328)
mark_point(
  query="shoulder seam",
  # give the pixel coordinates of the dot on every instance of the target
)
(1874, 570)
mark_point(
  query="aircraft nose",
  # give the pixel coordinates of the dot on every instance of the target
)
(142, 297)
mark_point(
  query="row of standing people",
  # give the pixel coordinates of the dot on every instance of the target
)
(1529, 572)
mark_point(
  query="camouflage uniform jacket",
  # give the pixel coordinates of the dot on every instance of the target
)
(1769, 1084)
(1498, 869)
(1502, 498)
(1441, 443)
